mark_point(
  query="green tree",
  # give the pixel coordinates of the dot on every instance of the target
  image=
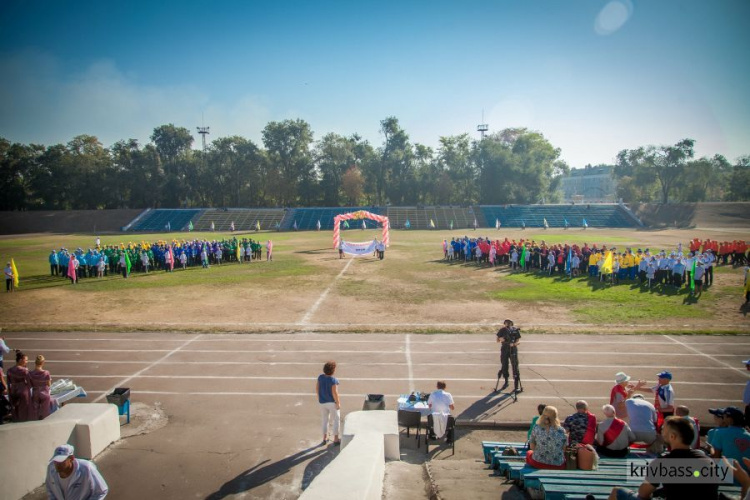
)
(173, 146)
(517, 166)
(739, 185)
(352, 183)
(455, 158)
(290, 164)
(395, 177)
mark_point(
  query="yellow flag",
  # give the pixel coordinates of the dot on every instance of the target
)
(607, 266)
(15, 273)
(432, 224)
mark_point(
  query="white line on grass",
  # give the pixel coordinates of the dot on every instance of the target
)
(407, 352)
(128, 379)
(712, 357)
(306, 318)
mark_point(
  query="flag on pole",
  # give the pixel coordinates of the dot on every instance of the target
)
(171, 260)
(364, 225)
(127, 261)
(568, 267)
(432, 224)
(257, 225)
(190, 227)
(523, 257)
(451, 225)
(692, 274)
(407, 224)
(346, 224)
(585, 224)
(239, 259)
(475, 223)
(15, 273)
(607, 266)
(566, 222)
(545, 223)
(497, 224)
(318, 225)
(295, 225)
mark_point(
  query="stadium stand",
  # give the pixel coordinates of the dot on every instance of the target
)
(419, 217)
(569, 484)
(245, 219)
(604, 215)
(307, 218)
(156, 220)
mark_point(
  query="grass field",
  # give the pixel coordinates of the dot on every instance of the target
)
(307, 287)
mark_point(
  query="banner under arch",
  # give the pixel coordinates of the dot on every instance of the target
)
(360, 214)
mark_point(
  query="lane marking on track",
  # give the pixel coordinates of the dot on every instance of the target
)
(712, 357)
(411, 380)
(360, 351)
(359, 396)
(244, 338)
(410, 368)
(324, 325)
(306, 318)
(442, 365)
(139, 372)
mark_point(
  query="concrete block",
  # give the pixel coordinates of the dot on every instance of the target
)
(383, 423)
(358, 472)
(26, 447)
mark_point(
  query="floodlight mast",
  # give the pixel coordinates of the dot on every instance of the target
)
(203, 131)
(482, 127)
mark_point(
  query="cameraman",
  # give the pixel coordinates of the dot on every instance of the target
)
(509, 337)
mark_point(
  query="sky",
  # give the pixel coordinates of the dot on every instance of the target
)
(593, 76)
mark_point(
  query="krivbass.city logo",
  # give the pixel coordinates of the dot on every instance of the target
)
(682, 470)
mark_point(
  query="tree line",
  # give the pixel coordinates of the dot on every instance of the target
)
(666, 174)
(290, 168)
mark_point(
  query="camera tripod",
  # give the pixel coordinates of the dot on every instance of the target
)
(517, 386)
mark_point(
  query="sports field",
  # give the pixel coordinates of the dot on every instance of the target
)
(225, 415)
(308, 288)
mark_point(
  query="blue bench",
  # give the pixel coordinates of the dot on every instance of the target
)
(491, 446)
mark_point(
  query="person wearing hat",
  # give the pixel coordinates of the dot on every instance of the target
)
(719, 423)
(621, 391)
(663, 395)
(732, 441)
(71, 478)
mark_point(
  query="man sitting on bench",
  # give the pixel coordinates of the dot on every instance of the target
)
(613, 435)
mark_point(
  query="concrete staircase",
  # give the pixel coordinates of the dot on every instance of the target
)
(468, 478)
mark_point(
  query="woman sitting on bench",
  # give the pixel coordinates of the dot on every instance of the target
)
(547, 443)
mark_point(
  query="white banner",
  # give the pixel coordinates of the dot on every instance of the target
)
(358, 248)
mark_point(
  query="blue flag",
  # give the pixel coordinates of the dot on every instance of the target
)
(570, 258)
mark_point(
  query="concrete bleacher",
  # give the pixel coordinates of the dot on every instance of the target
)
(368, 439)
(26, 447)
(157, 219)
(419, 217)
(569, 484)
(596, 215)
(245, 219)
(307, 218)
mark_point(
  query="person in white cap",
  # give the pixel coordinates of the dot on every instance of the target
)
(621, 391)
(71, 478)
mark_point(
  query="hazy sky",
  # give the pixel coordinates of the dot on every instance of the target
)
(594, 76)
